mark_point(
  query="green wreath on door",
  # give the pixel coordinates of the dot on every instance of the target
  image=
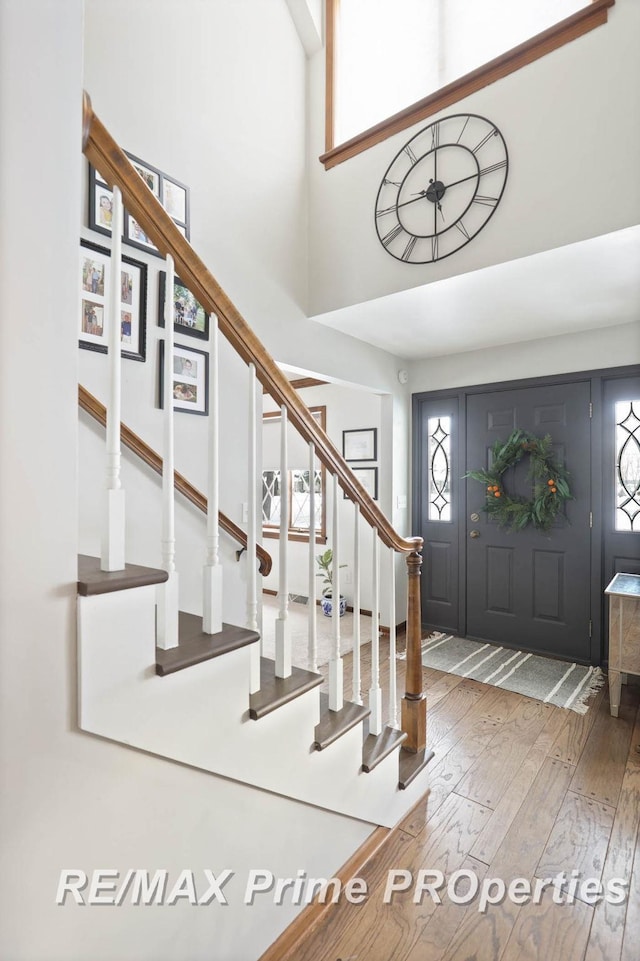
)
(550, 482)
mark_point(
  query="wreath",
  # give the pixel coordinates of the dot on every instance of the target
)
(550, 486)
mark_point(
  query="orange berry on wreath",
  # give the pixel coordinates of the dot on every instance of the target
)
(551, 483)
(497, 494)
(554, 490)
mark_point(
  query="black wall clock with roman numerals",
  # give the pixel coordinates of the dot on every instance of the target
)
(441, 188)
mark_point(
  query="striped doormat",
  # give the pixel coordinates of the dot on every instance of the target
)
(561, 683)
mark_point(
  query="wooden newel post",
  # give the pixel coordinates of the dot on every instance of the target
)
(414, 702)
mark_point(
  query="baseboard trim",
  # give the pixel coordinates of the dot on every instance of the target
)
(283, 947)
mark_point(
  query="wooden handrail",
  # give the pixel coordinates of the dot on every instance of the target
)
(98, 411)
(107, 157)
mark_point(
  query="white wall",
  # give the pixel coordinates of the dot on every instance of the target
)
(68, 800)
(587, 350)
(568, 123)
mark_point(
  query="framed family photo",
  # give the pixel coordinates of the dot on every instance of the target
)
(190, 386)
(368, 477)
(173, 195)
(149, 174)
(175, 200)
(190, 316)
(95, 293)
(360, 444)
(100, 203)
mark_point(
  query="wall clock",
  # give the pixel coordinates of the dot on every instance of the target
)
(441, 188)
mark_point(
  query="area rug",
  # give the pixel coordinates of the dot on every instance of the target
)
(561, 683)
(299, 626)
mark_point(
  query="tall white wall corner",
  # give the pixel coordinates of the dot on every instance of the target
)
(113, 533)
(167, 600)
(212, 594)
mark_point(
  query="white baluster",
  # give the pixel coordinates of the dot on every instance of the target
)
(168, 592)
(212, 573)
(375, 692)
(113, 533)
(357, 694)
(313, 623)
(336, 682)
(393, 697)
(283, 627)
(252, 532)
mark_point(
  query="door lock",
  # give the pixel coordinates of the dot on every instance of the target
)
(475, 518)
(474, 534)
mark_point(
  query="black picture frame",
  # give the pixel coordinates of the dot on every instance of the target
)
(94, 280)
(195, 381)
(360, 445)
(200, 326)
(172, 194)
(368, 477)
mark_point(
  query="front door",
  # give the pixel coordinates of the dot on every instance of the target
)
(527, 589)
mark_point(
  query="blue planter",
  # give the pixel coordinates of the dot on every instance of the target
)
(327, 606)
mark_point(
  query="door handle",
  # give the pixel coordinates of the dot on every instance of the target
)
(474, 534)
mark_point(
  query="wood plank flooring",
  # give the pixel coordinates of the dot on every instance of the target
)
(517, 789)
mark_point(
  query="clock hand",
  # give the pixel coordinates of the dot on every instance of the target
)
(423, 193)
(456, 182)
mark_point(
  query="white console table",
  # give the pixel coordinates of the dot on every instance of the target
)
(624, 633)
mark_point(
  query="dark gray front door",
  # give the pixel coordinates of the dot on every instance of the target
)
(528, 589)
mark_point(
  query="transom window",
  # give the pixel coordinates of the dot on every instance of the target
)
(389, 57)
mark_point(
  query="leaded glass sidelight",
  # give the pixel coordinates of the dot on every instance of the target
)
(439, 468)
(628, 465)
(271, 497)
(300, 500)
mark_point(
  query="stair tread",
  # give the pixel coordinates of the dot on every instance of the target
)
(92, 581)
(276, 691)
(411, 764)
(194, 646)
(333, 724)
(377, 747)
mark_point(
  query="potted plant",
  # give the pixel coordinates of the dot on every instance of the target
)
(325, 563)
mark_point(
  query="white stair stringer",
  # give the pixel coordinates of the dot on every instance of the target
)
(200, 716)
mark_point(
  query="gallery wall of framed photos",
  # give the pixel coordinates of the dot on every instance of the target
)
(143, 290)
(173, 195)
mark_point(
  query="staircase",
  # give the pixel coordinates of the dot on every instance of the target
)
(202, 694)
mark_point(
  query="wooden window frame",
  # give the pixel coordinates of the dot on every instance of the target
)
(594, 14)
(294, 533)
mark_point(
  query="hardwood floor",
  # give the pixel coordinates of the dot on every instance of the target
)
(518, 789)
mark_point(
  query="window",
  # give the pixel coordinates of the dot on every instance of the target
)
(392, 63)
(296, 486)
(627, 486)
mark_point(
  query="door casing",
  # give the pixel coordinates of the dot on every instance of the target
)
(598, 379)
